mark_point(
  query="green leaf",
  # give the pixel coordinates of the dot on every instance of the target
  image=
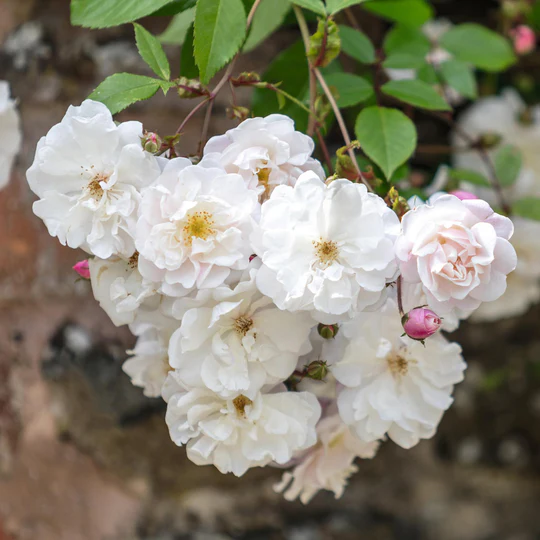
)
(357, 45)
(176, 32)
(333, 6)
(460, 76)
(107, 13)
(427, 74)
(123, 89)
(188, 68)
(220, 29)
(152, 52)
(472, 177)
(406, 40)
(386, 136)
(403, 61)
(481, 47)
(409, 12)
(351, 89)
(417, 93)
(508, 161)
(174, 7)
(528, 208)
(314, 5)
(268, 18)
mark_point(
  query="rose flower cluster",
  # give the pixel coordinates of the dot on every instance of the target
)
(286, 319)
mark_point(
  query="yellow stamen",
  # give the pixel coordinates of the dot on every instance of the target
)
(398, 365)
(240, 403)
(326, 250)
(243, 325)
(198, 225)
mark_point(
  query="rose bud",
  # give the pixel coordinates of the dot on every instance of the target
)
(524, 39)
(317, 370)
(328, 331)
(82, 269)
(151, 142)
(463, 195)
(420, 323)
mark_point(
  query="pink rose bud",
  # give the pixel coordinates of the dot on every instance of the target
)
(420, 323)
(524, 39)
(463, 195)
(82, 269)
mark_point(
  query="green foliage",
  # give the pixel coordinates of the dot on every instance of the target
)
(356, 45)
(176, 32)
(460, 77)
(174, 7)
(123, 89)
(351, 89)
(528, 208)
(324, 44)
(268, 17)
(472, 177)
(188, 68)
(508, 161)
(333, 6)
(108, 13)
(479, 46)
(152, 52)
(417, 93)
(386, 136)
(314, 5)
(403, 61)
(406, 40)
(220, 29)
(408, 12)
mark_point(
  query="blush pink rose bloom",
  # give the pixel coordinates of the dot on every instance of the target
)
(82, 268)
(458, 249)
(524, 39)
(420, 323)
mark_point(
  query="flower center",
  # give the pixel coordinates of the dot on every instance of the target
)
(398, 365)
(243, 325)
(94, 187)
(134, 260)
(240, 403)
(326, 251)
(198, 225)
(263, 175)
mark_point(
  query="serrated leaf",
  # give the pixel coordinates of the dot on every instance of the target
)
(508, 162)
(152, 52)
(386, 136)
(408, 12)
(528, 208)
(314, 5)
(123, 89)
(107, 13)
(268, 18)
(480, 46)
(220, 29)
(417, 93)
(176, 32)
(356, 45)
(472, 177)
(460, 77)
(174, 7)
(333, 6)
(403, 61)
(188, 68)
(406, 40)
(351, 89)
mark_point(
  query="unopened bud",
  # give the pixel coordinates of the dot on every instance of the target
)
(328, 331)
(82, 269)
(463, 195)
(489, 140)
(238, 113)
(151, 142)
(317, 370)
(246, 78)
(396, 202)
(420, 323)
(524, 39)
(190, 88)
(345, 167)
(324, 44)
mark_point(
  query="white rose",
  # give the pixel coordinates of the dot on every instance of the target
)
(266, 152)
(458, 250)
(88, 173)
(10, 133)
(325, 249)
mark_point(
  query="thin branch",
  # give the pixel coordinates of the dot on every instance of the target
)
(206, 125)
(325, 152)
(199, 105)
(352, 19)
(400, 296)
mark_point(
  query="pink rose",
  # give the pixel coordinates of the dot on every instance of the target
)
(420, 323)
(463, 195)
(458, 250)
(524, 39)
(82, 269)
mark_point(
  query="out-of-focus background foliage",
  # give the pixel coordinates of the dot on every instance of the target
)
(84, 456)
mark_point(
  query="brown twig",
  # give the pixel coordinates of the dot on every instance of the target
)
(400, 296)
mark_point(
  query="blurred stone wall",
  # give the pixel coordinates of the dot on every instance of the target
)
(84, 456)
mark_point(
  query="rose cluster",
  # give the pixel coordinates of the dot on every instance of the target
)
(267, 301)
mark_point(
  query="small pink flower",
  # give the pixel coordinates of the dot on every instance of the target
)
(82, 269)
(420, 323)
(524, 39)
(463, 195)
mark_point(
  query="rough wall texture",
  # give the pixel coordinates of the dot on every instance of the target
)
(84, 456)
